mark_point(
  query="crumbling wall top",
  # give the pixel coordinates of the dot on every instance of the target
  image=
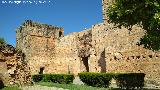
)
(30, 27)
(30, 23)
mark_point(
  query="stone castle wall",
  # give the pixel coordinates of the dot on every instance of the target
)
(14, 69)
(69, 51)
(67, 54)
(107, 38)
(105, 6)
(116, 50)
(102, 48)
(37, 41)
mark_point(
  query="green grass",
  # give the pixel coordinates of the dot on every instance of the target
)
(72, 86)
(78, 87)
(10, 88)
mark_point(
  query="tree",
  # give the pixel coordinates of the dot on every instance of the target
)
(2, 41)
(145, 13)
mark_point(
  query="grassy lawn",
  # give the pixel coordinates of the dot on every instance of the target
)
(68, 86)
(10, 88)
(72, 86)
(78, 87)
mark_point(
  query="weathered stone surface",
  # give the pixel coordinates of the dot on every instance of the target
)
(13, 69)
(37, 41)
(105, 6)
(102, 48)
(84, 42)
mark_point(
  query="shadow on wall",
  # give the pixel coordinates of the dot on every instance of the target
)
(102, 62)
(85, 63)
(1, 82)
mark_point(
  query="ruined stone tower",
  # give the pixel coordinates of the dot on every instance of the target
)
(37, 41)
(105, 6)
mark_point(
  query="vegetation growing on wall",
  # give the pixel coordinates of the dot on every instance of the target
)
(2, 41)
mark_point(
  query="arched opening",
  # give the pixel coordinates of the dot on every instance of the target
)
(60, 34)
(41, 70)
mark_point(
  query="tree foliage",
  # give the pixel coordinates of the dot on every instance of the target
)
(145, 13)
(2, 41)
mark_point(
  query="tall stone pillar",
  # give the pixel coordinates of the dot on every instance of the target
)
(105, 6)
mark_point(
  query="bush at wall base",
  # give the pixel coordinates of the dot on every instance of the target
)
(56, 78)
(37, 78)
(123, 80)
(130, 80)
(96, 79)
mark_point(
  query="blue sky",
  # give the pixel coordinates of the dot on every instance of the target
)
(72, 15)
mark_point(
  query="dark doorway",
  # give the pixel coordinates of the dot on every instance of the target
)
(41, 70)
(85, 63)
(1, 84)
(60, 34)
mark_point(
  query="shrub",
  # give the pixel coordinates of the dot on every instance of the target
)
(130, 80)
(37, 78)
(62, 78)
(96, 79)
(56, 78)
(123, 80)
(2, 41)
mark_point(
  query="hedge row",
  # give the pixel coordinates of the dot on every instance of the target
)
(123, 80)
(55, 78)
(96, 79)
(130, 80)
